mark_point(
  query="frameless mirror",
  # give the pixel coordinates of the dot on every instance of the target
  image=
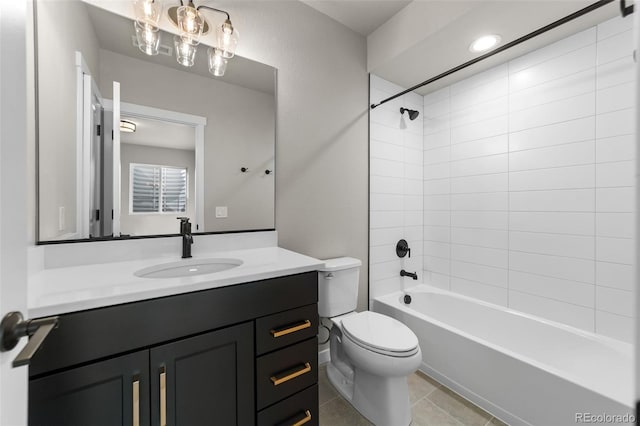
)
(127, 142)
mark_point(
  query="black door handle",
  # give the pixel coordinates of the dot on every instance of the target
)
(14, 327)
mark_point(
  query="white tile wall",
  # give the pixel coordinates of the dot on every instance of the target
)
(397, 187)
(529, 182)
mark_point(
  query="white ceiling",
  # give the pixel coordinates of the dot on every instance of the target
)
(159, 134)
(415, 41)
(362, 16)
(447, 47)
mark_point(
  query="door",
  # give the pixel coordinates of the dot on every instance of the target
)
(91, 153)
(636, 53)
(111, 392)
(205, 380)
(13, 198)
(116, 159)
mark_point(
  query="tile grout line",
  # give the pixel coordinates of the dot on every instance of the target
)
(595, 186)
(328, 401)
(509, 186)
(437, 407)
(450, 195)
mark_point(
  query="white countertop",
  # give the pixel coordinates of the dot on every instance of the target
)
(61, 290)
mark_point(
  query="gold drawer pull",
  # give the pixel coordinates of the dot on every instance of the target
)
(136, 401)
(305, 419)
(163, 396)
(289, 330)
(288, 376)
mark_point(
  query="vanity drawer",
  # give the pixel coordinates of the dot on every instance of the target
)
(285, 372)
(286, 328)
(299, 409)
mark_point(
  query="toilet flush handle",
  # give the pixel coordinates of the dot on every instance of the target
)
(328, 275)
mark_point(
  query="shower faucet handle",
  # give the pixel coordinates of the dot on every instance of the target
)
(402, 248)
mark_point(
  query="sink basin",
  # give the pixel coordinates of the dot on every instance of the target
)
(187, 268)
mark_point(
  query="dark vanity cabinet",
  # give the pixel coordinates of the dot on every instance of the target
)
(103, 393)
(237, 355)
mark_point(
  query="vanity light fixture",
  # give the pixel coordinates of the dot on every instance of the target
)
(148, 38)
(192, 25)
(484, 43)
(147, 13)
(185, 51)
(127, 126)
(217, 62)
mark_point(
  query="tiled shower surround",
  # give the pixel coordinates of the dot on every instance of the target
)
(528, 184)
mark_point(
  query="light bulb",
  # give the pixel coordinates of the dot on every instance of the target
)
(190, 23)
(227, 37)
(217, 62)
(185, 51)
(148, 11)
(148, 38)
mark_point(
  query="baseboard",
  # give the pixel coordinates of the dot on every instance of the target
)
(324, 356)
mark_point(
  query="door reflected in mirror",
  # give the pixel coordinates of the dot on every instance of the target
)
(180, 139)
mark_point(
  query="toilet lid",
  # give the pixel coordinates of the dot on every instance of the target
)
(380, 332)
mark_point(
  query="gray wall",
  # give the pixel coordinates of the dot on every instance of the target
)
(322, 145)
(57, 102)
(239, 133)
(149, 224)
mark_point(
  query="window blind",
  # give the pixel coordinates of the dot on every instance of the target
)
(174, 190)
(158, 189)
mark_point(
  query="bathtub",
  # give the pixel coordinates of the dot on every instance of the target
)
(522, 369)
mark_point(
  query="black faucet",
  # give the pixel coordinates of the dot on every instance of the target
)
(187, 238)
(413, 275)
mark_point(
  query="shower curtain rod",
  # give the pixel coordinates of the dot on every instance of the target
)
(626, 10)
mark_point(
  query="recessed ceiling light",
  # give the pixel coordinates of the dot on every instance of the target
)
(484, 43)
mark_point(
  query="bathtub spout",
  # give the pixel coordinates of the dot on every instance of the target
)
(413, 275)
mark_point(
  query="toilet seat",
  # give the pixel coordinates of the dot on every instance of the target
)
(380, 334)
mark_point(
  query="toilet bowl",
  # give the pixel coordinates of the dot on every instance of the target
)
(371, 354)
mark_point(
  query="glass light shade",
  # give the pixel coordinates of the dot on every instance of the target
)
(148, 11)
(227, 38)
(148, 37)
(191, 23)
(217, 62)
(185, 51)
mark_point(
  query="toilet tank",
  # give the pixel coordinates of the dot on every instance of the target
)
(338, 286)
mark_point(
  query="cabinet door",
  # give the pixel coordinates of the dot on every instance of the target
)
(205, 380)
(111, 392)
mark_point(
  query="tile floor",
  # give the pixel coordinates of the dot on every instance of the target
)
(432, 404)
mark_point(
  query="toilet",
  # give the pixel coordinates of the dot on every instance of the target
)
(371, 354)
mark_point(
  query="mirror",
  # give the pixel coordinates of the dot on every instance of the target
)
(203, 146)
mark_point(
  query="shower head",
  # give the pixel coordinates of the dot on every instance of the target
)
(413, 114)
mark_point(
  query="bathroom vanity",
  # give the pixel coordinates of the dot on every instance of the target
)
(238, 353)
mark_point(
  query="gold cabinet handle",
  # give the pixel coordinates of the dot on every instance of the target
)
(292, 329)
(163, 396)
(291, 375)
(136, 401)
(306, 419)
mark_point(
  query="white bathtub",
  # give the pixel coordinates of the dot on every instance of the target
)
(523, 369)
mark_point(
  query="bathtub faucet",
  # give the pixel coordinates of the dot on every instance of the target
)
(413, 275)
